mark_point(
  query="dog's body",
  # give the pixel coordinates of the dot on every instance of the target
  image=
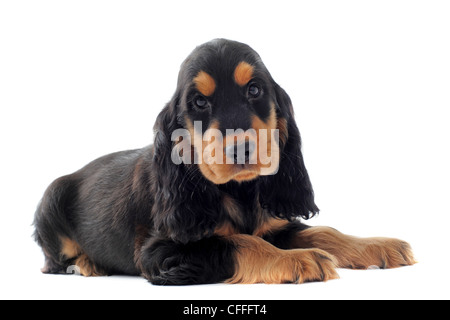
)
(138, 213)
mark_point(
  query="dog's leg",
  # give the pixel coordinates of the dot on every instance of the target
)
(165, 262)
(356, 253)
(232, 259)
(258, 261)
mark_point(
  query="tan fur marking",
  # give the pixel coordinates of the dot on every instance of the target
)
(225, 230)
(271, 123)
(87, 268)
(282, 125)
(357, 253)
(266, 162)
(271, 225)
(257, 261)
(70, 249)
(243, 73)
(217, 173)
(267, 142)
(205, 83)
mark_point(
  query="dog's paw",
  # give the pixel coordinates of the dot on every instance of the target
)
(386, 253)
(306, 265)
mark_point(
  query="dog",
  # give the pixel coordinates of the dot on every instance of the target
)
(197, 208)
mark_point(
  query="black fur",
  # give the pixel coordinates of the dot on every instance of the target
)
(289, 193)
(285, 237)
(169, 263)
(136, 212)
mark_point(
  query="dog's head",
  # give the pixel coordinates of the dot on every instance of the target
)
(231, 122)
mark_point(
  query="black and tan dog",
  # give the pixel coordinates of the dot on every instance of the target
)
(140, 213)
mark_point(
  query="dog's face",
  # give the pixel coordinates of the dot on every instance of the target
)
(229, 123)
(227, 101)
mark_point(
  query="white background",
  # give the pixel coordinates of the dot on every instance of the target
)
(370, 82)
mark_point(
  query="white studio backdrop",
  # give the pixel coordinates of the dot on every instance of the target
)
(371, 89)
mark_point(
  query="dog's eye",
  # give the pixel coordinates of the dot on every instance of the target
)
(254, 91)
(200, 102)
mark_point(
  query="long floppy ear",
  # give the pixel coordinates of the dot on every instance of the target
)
(289, 193)
(185, 203)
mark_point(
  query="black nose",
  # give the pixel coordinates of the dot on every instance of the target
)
(241, 153)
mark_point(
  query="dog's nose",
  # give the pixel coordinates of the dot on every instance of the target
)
(241, 153)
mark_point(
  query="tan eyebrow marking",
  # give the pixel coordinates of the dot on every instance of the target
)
(243, 73)
(205, 83)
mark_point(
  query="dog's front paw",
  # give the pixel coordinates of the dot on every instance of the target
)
(357, 253)
(305, 265)
(385, 253)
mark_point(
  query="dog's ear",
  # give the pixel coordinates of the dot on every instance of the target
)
(185, 203)
(288, 193)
